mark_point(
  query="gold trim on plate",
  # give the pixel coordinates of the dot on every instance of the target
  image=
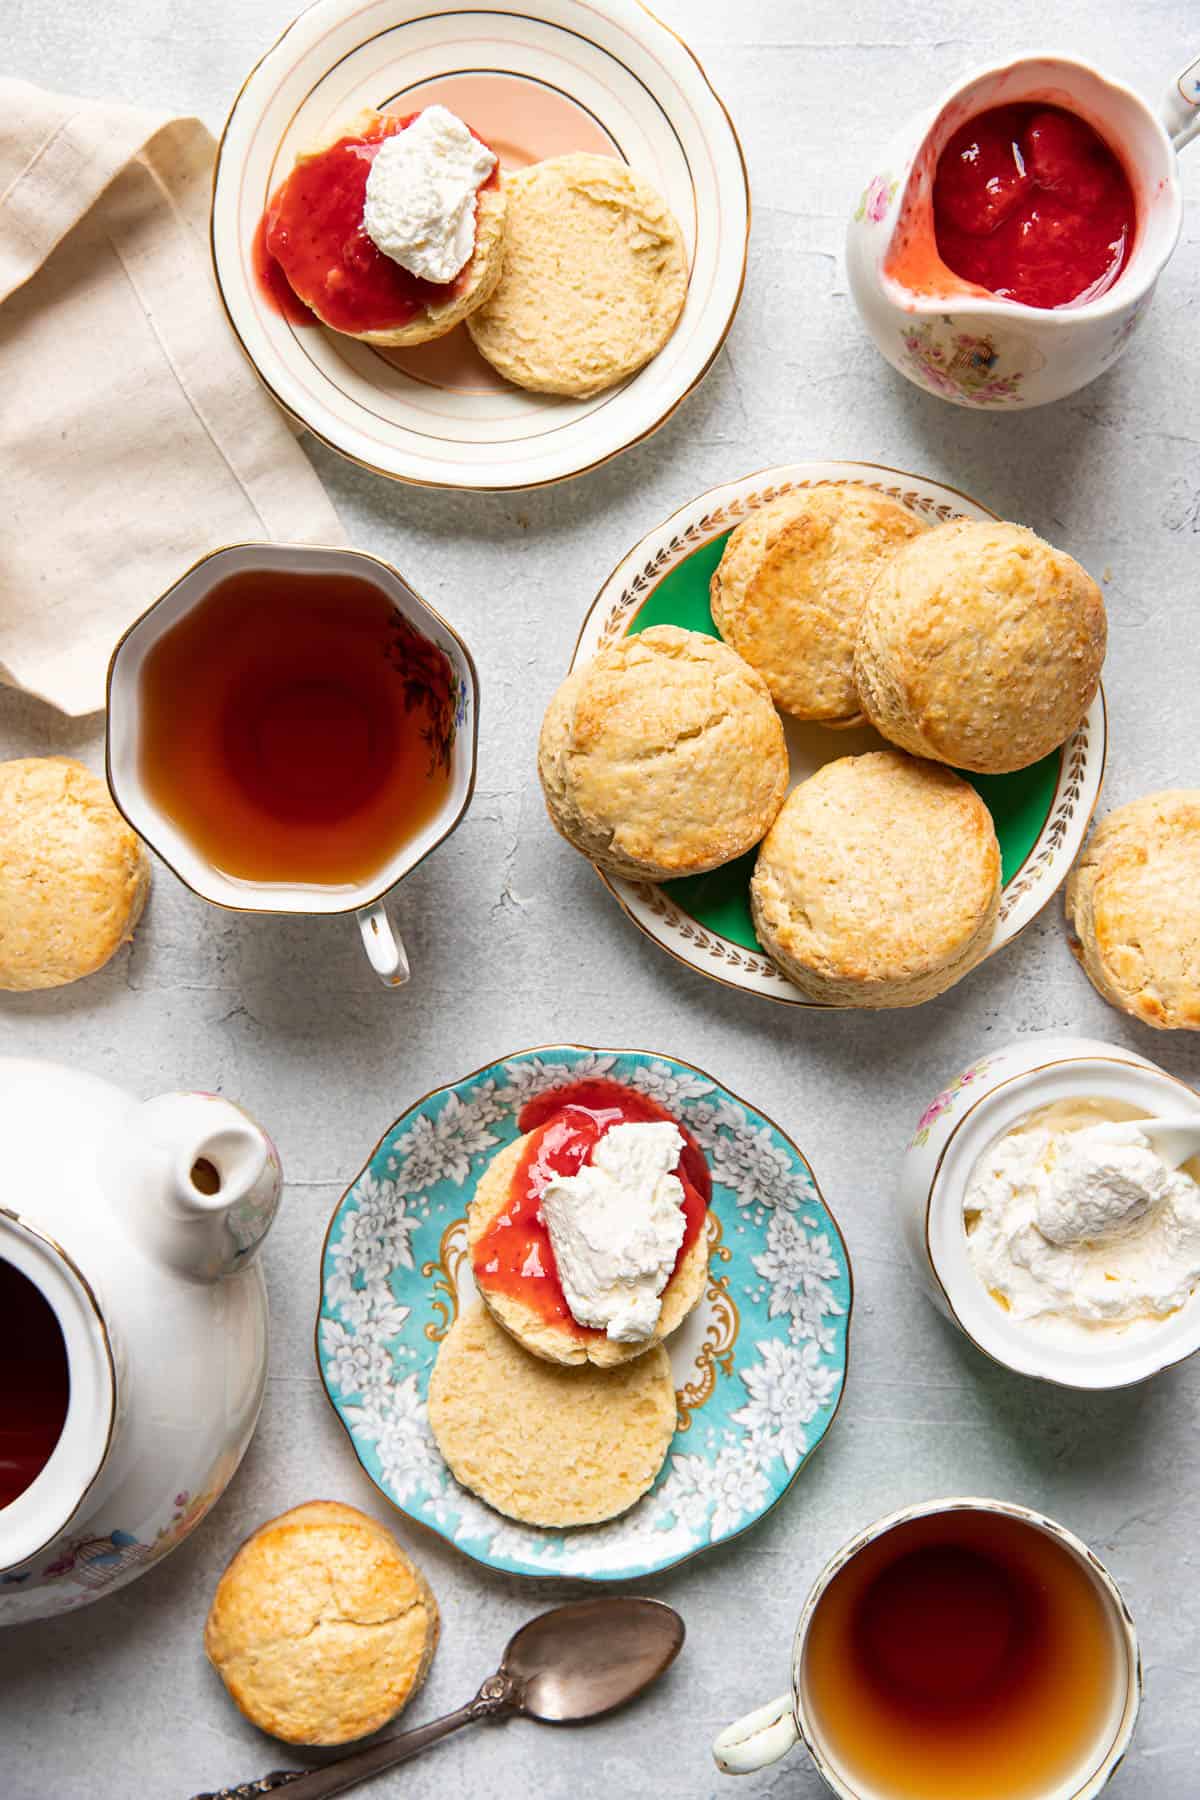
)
(505, 487)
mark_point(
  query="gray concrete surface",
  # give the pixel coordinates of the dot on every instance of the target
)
(514, 942)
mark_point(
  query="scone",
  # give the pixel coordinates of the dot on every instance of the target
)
(879, 883)
(545, 1444)
(548, 1338)
(321, 1628)
(789, 589)
(1133, 903)
(663, 756)
(981, 646)
(73, 876)
(595, 276)
(442, 309)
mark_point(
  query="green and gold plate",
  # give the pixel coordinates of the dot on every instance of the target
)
(1041, 813)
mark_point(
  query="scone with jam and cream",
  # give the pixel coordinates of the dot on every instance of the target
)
(588, 1234)
(391, 229)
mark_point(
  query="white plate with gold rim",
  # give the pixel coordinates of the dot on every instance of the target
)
(1041, 814)
(557, 75)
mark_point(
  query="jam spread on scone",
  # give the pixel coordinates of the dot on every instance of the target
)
(312, 244)
(514, 1256)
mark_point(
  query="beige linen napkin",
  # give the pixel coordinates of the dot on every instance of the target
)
(134, 435)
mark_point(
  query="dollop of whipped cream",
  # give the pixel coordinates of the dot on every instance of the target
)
(1087, 1226)
(419, 207)
(615, 1228)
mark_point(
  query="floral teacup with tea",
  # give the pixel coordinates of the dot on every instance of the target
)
(293, 730)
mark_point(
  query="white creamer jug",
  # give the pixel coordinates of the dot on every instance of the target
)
(976, 348)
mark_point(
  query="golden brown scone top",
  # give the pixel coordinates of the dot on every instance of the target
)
(980, 645)
(321, 1628)
(1133, 900)
(790, 585)
(879, 883)
(73, 875)
(663, 756)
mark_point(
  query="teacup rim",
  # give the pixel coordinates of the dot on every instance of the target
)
(359, 901)
(1094, 1782)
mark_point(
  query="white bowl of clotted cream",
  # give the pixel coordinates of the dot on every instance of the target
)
(1081, 1269)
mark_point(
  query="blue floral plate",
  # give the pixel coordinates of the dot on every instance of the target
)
(759, 1365)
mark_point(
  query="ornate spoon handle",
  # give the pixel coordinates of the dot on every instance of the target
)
(495, 1696)
(249, 1790)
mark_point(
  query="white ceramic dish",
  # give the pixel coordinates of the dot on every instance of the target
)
(554, 76)
(710, 930)
(985, 1099)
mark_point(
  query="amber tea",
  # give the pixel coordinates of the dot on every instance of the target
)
(296, 728)
(965, 1656)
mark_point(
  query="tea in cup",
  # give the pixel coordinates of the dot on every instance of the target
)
(958, 1650)
(293, 730)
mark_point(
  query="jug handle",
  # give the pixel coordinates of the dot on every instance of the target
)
(761, 1737)
(1181, 109)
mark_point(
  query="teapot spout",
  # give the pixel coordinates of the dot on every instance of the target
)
(221, 1187)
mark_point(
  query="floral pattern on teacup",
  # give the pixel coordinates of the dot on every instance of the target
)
(958, 365)
(876, 199)
(944, 1102)
(779, 1284)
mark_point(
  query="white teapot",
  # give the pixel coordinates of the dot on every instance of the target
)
(976, 348)
(137, 1227)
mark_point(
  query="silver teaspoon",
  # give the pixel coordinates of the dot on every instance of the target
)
(574, 1663)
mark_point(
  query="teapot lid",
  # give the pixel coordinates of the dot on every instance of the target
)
(37, 1516)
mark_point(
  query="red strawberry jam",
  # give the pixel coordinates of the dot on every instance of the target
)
(514, 1255)
(1031, 203)
(312, 254)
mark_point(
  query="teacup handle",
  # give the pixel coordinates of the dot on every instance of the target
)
(762, 1737)
(381, 941)
(1181, 112)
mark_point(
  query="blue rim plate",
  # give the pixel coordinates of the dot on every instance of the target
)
(759, 1366)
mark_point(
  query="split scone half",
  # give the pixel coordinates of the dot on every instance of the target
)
(562, 1341)
(445, 305)
(544, 1444)
(1133, 904)
(879, 883)
(663, 756)
(595, 277)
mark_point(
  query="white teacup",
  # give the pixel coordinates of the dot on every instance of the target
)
(380, 939)
(768, 1733)
(978, 349)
